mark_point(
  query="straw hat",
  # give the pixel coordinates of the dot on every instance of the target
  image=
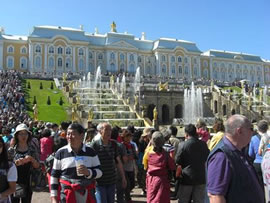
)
(146, 131)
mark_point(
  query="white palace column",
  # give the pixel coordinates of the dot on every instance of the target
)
(87, 60)
(31, 59)
(46, 58)
(211, 68)
(1, 54)
(74, 59)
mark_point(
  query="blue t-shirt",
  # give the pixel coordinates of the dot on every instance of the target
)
(253, 149)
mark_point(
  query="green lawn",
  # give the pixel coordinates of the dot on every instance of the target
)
(234, 88)
(49, 113)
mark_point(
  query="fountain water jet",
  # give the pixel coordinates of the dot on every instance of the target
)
(193, 104)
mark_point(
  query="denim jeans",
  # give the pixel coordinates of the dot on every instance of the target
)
(105, 194)
(191, 192)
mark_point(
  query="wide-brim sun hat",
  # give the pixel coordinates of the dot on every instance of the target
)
(21, 127)
(146, 132)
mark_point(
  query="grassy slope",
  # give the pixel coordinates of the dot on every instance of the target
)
(51, 113)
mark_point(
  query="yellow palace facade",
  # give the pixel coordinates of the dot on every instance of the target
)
(56, 49)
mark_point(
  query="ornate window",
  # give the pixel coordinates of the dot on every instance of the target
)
(215, 64)
(51, 50)
(163, 58)
(205, 64)
(68, 51)
(112, 56)
(186, 71)
(23, 50)
(195, 61)
(179, 59)
(131, 68)
(122, 57)
(81, 52)
(23, 62)
(60, 62)
(195, 71)
(81, 64)
(38, 62)
(10, 62)
(90, 55)
(173, 59)
(186, 60)
(51, 62)
(10, 49)
(38, 49)
(68, 63)
(112, 67)
(131, 57)
(205, 73)
(60, 50)
(173, 70)
(100, 56)
(180, 70)
(122, 67)
(148, 70)
(139, 59)
(164, 69)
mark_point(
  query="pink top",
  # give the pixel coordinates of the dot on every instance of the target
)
(46, 147)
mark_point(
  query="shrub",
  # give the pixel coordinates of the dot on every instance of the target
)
(51, 85)
(49, 100)
(61, 101)
(28, 85)
(41, 86)
(35, 100)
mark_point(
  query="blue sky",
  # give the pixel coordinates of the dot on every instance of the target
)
(231, 25)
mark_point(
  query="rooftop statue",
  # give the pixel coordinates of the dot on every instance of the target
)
(155, 113)
(113, 27)
(65, 77)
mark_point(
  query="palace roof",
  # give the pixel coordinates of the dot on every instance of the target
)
(232, 55)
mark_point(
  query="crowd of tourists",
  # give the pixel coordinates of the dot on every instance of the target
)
(104, 164)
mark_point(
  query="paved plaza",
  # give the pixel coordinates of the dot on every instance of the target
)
(44, 197)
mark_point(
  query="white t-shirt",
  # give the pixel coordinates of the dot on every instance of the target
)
(266, 170)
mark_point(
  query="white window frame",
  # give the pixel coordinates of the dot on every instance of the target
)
(61, 61)
(58, 51)
(38, 50)
(38, 66)
(12, 60)
(23, 48)
(26, 62)
(12, 49)
(49, 64)
(81, 51)
(53, 49)
(66, 51)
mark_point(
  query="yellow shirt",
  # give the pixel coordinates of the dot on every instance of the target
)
(146, 155)
(215, 140)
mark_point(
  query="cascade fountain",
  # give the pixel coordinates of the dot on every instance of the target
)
(137, 84)
(117, 85)
(88, 80)
(123, 86)
(193, 104)
(97, 79)
(265, 95)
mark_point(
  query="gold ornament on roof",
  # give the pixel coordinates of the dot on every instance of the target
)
(113, 27)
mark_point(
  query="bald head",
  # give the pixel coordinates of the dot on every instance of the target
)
(234, 122)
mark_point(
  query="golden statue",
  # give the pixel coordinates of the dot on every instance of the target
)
(249, 99)
(155, 113)
(71, 86)
(65, 77)
(163, 87)
(113, 27)
(35, 109)
(112, 81)
(90, 115)
(136, 100)
(78, 99)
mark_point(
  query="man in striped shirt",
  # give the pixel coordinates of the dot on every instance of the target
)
(109, 157)
(77, 182)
